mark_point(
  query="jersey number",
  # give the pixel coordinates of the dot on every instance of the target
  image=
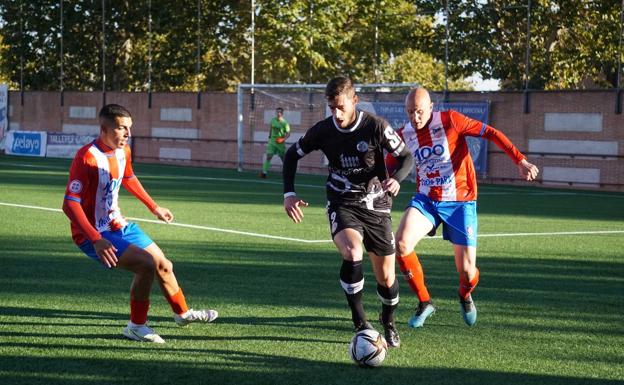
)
(393, 139)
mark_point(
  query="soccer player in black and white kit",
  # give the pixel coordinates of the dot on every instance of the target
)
(359, 194)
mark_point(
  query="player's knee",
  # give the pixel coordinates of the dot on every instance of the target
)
(403, 246)
(388, 280)
(165, 266)
(466, 271)
(351, 253)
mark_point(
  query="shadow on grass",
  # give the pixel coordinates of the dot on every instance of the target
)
(218, 366)
(240, 274)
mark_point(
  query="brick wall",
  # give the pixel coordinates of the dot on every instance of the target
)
(564, 133)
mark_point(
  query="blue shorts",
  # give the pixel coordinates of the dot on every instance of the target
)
(459, 218)
(131, 234)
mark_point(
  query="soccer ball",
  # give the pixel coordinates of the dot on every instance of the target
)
(368, 348)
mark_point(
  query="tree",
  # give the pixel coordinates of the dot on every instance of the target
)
(4, 76)
(414, 66)
(573, 43)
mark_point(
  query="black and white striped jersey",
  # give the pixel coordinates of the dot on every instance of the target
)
(356, 159)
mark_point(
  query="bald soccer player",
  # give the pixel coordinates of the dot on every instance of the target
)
(446, 193)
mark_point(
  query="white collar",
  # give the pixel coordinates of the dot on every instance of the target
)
(355, 125)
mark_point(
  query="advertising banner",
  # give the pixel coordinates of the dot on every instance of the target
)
(26, 143)
(61, 145)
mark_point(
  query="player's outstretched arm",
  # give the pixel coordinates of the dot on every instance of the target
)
(527, 170)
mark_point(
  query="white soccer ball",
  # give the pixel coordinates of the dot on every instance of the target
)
(368, 348)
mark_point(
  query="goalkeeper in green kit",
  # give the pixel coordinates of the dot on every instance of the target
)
(279, 132)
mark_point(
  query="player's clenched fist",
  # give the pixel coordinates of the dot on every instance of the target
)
(292, 205)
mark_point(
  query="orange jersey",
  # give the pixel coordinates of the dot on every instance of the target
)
(95, 177)
(445, 170)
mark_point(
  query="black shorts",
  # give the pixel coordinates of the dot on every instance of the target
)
(374, 226)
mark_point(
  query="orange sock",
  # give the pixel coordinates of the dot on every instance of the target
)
(138, 311)
(177, 302)
(466, 287)
(413, 273)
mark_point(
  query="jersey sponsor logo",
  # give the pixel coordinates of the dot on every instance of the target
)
(112, 185)
(75, 186)
(425, 152)
(437, 181)
(349, 161)
(362, 146)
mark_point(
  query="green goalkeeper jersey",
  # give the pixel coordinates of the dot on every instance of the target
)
(278, 129)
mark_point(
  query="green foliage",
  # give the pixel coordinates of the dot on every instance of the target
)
(4, 75)
(297, 41)
(573, 43)
(415, 66)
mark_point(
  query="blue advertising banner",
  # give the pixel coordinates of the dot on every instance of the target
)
(394, 113)
(27, 143)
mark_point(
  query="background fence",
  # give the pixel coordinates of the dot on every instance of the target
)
(576, 138)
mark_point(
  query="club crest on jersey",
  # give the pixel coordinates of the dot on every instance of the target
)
(75, 186)
(362, 146)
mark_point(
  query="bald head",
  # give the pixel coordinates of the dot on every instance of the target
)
(418, 107)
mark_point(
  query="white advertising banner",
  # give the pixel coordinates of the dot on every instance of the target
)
(65, 145)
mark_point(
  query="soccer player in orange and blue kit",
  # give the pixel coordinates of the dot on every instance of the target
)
(98, 171)
(446, 194)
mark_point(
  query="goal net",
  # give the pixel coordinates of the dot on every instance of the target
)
(304, 105)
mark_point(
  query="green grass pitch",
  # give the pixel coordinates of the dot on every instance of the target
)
(551, 306)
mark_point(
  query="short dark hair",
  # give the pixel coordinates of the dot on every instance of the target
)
(111, 111)
(279, 109)
(338, 86)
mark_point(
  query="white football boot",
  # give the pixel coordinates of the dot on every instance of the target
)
(191, 315)
(142, 333)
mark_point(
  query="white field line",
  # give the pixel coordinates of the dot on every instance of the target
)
(216, 229)
(258, 235)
